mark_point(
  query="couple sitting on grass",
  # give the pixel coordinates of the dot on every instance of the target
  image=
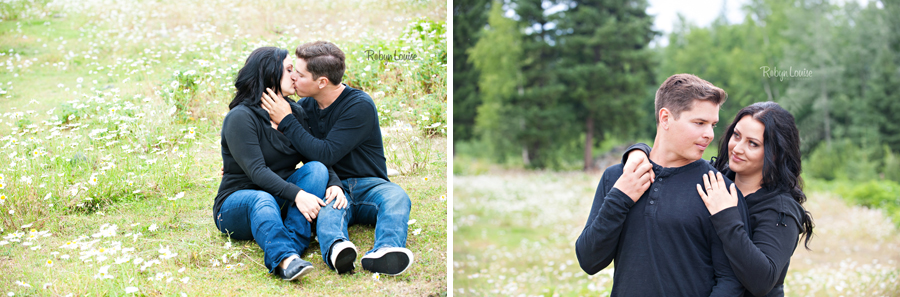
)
(334, 131)
(676, 226)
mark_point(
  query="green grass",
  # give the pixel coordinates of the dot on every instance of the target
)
(515, 232)
(875, 194)
(95, 132)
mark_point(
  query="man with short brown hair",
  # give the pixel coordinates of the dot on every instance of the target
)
(344, 133)
(658, 231)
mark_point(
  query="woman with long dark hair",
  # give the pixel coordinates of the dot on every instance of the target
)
(760, 152)
(262, 195)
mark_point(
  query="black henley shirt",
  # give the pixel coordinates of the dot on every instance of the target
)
(664, 244)
(345, 135)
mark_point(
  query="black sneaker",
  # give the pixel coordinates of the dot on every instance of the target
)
(389, 261)
(342, 256)
(295, 269)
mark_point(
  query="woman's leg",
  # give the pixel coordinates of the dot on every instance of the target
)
(253, 214)
(331, 224)
(331, 228)
(312, 177)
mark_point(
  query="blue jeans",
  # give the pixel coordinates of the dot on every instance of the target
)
(371, 200)
(274, 222)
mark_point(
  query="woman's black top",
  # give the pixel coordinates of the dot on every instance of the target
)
(258, 157)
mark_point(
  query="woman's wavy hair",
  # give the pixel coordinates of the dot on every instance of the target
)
(781, 162)
(263, 69)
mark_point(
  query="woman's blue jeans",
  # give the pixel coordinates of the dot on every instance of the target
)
(274, 222)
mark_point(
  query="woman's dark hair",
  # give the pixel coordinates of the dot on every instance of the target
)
(263, 69)
(781, 144)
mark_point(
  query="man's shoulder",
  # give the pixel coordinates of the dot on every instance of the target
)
(306, 102)
(357, 96)
(700, 166)
(612, 172)
(357, 93)
(706, 166)
(357, 102)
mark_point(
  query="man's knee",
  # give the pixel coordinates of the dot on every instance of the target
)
(328, 211)
(394, 198)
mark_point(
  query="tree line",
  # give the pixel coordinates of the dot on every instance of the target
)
(545, 82)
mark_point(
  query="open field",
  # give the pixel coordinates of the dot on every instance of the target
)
(515, 232)
(109, 141)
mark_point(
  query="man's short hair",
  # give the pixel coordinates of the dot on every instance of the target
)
(323, 58)
(679, 91)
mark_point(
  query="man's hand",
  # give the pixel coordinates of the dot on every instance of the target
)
(308, 204)
(718, 197)
(335, 192)
(636, 177)
(276, 105)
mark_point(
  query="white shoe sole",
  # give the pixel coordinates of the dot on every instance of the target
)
(388, 261)
(343, 260)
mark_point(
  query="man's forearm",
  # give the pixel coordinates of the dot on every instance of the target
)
(597, 245)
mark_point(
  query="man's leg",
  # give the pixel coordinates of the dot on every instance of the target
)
(331, 228)
(386, 205)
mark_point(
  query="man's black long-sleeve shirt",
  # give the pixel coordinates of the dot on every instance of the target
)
(664, 244)
(760, 261)
(345, 135)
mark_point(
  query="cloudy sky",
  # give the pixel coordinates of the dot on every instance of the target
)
(699, 12)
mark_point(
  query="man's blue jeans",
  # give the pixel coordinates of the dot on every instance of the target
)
(274, 222)
(371, 200)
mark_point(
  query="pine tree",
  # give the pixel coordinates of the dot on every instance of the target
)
(469, 18)
(605, 65)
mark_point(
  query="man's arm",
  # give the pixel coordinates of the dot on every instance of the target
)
(642, 147)
(599, 241)
(333, 179)
(597, 245)
(353, 126)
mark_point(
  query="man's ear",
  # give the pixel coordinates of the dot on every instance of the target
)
(321, 82)
(664, 116)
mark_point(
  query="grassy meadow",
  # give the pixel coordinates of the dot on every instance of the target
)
(109, 141)
(515, 231)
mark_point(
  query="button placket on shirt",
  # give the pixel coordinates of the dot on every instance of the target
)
(321, 122)
(652, 206)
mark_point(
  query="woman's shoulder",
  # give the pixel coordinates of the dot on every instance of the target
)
(239, 116)
(239, 111)
(779, 201)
